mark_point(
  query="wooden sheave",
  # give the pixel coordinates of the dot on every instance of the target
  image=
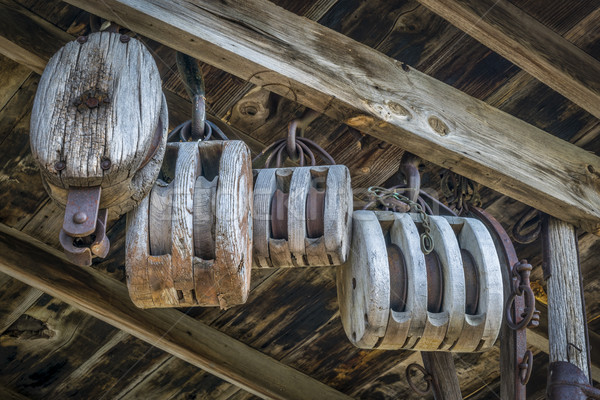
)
(99, 119)
(189, 242)
(374, 312)
(296, 246)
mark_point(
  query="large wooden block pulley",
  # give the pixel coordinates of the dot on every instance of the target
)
(189, 242)
(393, 296)
(302, 216)
(98, 133)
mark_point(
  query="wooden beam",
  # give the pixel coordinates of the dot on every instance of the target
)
(333, 74)
(45, 268)
(527, 43)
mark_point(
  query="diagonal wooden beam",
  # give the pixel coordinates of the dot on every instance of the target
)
(346, 80)
(527, 43)
(45, 268)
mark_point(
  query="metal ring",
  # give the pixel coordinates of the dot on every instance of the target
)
(530, 307)
(426, 377)
(426, 243)
(526, 367)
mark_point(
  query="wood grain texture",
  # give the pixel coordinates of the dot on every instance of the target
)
(474, 238)
(363, 283)
(190, 340)
(298, 249)
(233, 229)
(566, 319)
(124, 80)
(189, 254)
(536, 49)
(443, 125)
(441, 366)
(187, 169)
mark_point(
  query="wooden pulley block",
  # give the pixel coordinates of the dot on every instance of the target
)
(302, 216)
(98, 132)
(393, 296)
(189, 242)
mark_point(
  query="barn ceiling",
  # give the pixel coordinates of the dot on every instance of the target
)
(49, 348)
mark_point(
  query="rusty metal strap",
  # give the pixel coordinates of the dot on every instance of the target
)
(566, 381)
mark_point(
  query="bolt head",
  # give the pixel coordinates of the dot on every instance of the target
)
(80, 217)
(105, 164)
(82, 39)
(124, 38)
(92, 102)
(60, 165)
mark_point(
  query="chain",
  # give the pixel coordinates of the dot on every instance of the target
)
(521, 287)
(382, 196)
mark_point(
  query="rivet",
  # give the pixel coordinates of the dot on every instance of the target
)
(80, 217)
(82, 39)
(60, 165)
(105, 164)
(124, 38)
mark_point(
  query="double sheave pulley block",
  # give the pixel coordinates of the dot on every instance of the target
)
(189, 242)
(394, 296)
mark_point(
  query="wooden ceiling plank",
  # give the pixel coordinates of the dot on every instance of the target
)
(44, 268)
(521, 39)
(346, 80)
(9, 394)
(16, 298)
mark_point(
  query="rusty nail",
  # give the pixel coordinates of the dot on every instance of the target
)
(92, 102)
(105, 164)
(59, 165)
(124, 38)
(80, 217)
(82, 39)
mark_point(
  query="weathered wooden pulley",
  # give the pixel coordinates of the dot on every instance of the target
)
(302, 216)
(393, 296)
(98, 133)
(189, 242)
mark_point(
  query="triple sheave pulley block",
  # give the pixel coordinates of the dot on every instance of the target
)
(200, 219)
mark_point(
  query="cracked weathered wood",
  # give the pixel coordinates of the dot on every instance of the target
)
(523, 40)
(98, 108)
(346, 80)
(189, 243)
(566, 317)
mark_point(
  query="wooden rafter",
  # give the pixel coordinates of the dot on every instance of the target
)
(527, 43)
(348, 81)
(44, 268)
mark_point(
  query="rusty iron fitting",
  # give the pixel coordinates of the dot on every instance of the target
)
(521, 287)
(566, 381)
(525, 367)
(528, 227)
(409, 166)
(83, 234)
(413, 368)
